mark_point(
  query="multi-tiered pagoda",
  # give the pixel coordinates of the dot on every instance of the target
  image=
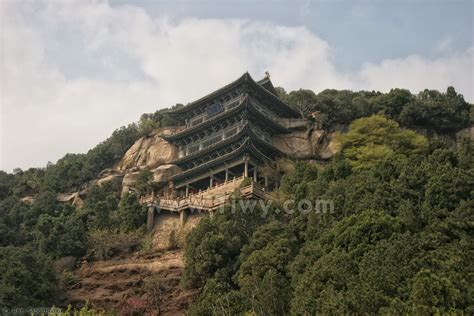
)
(226, 136)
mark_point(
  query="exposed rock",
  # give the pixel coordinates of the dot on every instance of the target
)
(71, 198)
(129, 181)
(114, 178)
(66, 197)
(167, 226)
(307, 143)
(78, 201)
(164, 172)
(326, 145)
(108, 172)
(28, 199)
(86, 187)
(296, 144)
(294, 123)
(149, 152)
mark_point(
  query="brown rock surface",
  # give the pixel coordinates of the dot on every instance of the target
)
(307, 143)
(164, 172)
(129, 181)
(114, 178)
(149, 152)
(28, 199)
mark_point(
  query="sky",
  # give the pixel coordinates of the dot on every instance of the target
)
(74, 71)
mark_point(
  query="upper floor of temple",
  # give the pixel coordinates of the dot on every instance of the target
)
(242, 109)
(261, 94)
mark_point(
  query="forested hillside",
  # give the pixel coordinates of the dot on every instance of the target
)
(400, 239)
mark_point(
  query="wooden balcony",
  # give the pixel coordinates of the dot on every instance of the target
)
(210, 199)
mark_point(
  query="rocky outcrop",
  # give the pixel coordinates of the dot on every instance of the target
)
(297, 143)
(28, 199)
(129, 181)
(71, 198)
(113, 178)
(149, 152)
(165, 172)
(307, 143)
(326, 145)
(86, 187)
(66, 197)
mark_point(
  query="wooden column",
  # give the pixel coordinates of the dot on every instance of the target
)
(182, 217)
(246, 168)
(226, 175)
(150, 220)
(187, 190)
(211, 180)
(255, 173)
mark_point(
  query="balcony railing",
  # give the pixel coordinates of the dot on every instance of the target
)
(207, 200)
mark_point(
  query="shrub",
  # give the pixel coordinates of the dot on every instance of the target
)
(154, 288)
(68, 279)
(104, 244)
(246, 182)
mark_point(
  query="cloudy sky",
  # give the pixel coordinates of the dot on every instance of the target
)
(73, 71)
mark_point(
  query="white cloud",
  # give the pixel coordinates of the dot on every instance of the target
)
(416, 73)
(71, 73)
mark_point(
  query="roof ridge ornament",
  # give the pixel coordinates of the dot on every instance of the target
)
(267, 74)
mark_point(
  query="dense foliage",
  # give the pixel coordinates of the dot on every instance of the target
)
(429, 109)
(399, 241)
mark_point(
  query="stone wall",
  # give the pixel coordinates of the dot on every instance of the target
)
(169, 229)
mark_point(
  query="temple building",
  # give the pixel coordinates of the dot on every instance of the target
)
(225, 137)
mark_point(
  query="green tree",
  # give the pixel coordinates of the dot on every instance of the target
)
(131, 214)
(27, 278)
(374, 139)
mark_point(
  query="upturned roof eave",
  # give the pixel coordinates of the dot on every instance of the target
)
(247, 131)
(209, 96)
(245, 78)
(246, 146)
(244, 103)
(288, 109)
(204, 124)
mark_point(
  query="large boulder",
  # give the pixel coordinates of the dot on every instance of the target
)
(129, 181)
(149, 152)
(165, 172)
